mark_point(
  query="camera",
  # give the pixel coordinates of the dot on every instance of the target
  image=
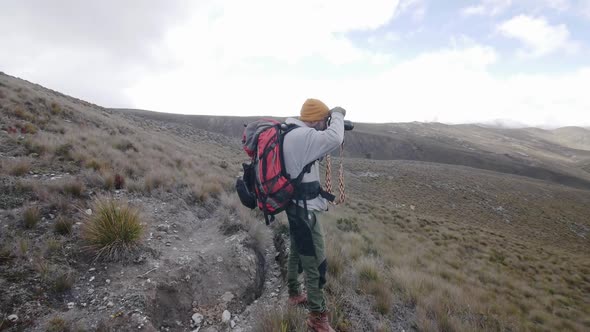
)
(348, 125)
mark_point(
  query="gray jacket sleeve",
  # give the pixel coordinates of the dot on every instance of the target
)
(320, 143)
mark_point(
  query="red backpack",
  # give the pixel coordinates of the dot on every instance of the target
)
(265, 182)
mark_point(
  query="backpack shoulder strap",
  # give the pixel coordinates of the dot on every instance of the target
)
(285, 128)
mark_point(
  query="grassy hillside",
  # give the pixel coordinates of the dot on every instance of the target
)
(536, 153)
(101, 215)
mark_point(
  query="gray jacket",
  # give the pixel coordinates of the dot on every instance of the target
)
(304, 145)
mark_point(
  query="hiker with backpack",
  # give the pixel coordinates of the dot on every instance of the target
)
(284, 176)
(319, 132)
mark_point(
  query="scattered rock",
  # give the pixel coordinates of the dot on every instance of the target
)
(12, 318)
(88, 212)
(232, 324)
(71, 305)
(219, 259)
(163, 228)
(108, 281)
(110, 304)
(225, 317)
(91, 279)
(91, 291)
(227, 297)
(197, 319)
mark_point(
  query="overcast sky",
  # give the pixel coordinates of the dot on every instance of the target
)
(523, 61)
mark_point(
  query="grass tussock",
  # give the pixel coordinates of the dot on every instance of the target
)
(74, 188)
(20, 168)
(23, 114)
(348, 225)
(336, 258)
(34, 146)
(22, 247)
(368, 269)
(282, 319)
(113, 231)
(57, 324)
(53, 246)
(56, 109)
(31, 217)
(62, 282)
(29, 128)
(5, 254)
(155, 180)
(64, 150)
(95, 165)
(63, 226)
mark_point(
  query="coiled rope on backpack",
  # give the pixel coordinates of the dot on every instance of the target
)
(341, 188)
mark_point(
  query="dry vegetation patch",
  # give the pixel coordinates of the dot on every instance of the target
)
(114, 230)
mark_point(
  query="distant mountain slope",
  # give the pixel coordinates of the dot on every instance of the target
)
(555, 156)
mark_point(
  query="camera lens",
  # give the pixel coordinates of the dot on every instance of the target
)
(348, 125)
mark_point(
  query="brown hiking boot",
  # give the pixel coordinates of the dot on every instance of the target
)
(297, 299)
(318, 322)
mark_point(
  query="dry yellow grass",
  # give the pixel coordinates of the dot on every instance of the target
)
(281, 319)
(31, 217)
(20, 168)
(466, 278)
(113, 231)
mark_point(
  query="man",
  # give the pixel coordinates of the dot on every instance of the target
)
(313, 140)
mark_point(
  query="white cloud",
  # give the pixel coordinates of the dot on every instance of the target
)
(538, 36)
(487, 7)
(232, 58)
(415, 8)
(87, 49)
(584, 7)
(230, 72)
(497, 7)
(560, 5)
(452, 85)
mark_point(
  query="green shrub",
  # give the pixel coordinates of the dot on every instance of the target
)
(113, 231)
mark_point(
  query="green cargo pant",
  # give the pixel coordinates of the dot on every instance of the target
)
(307, 255)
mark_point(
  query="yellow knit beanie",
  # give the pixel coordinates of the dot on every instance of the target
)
(314, 110)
